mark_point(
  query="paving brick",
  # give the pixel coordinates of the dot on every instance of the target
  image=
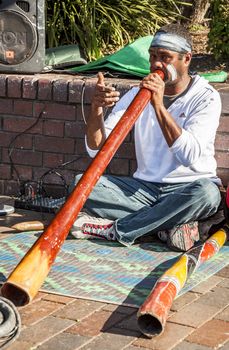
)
(224, 272)
(132, 347)
(224, 283)
(183, 300)
(120, 308)
(30, 315)
(218, 297)
(64, 341)
(78, 310)
(96, 323)
(223, 315)
(207, 285)
(172, 335)
(184, 345)
(195, 314)
(43, 331)
(58, 298)
(211, 334)
(109, 341)
(129, 323)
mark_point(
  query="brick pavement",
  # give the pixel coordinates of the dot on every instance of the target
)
(198, 320)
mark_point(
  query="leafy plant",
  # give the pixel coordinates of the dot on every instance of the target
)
(99, 26)
(219, 29)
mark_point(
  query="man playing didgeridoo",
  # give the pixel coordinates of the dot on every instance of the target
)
(175, 183)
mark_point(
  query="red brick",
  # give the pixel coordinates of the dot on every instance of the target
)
(119, 167)
(24, 157)
(126, 150)
(75, 90)
(62, 299)
(80, 148)
(44, 89)
(64, 341)
(53, 128)
(53, 144)
(24, 141)
(79, 163)
(5, 171)
(207, 285)
(14, 86)
(194, 314)
(75, 129)
(2, 86)
(60, 90)
(223, 315)
(84, 108)
(111, 341)
(44, 330)
(183, 300)
(224, 272)
(89, 90)
(11, 187)
(52, 178)
(24, 108)
(52, 160)
(224, 124)
(56, 111)
(29, 87)
(211, 334)
(79, 309)
(222, 159)
(218, 297)
(97, 322)
(172, 335)
(222, 141)
(223, 174)
(24, 172)
(19, 124)
(6, 106)
(29, 314)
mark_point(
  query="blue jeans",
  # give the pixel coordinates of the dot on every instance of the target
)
(140, 207)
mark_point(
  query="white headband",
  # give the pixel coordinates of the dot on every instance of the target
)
(171, 42)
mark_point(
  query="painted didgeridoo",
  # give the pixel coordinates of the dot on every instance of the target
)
(153, 313)
(28, 276)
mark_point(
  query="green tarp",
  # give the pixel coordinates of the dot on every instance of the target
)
(131, 60)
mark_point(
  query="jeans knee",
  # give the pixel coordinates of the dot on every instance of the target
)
(209, 192)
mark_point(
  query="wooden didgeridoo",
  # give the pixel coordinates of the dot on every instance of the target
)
(28, 276)
(153, 313)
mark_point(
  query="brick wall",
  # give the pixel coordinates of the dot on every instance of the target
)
(42, 127)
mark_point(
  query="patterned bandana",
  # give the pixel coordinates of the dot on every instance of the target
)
(171, 42)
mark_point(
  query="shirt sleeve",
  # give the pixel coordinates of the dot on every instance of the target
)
(114, 117)
(199, 129)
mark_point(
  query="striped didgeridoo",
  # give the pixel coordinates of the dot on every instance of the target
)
(153, 313)
(28, 276)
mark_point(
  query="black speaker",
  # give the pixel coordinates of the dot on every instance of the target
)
(22, 36)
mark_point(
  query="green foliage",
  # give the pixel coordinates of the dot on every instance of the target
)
(100, 26)
(219, 29)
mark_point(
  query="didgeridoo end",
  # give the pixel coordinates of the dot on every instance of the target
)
(15, 294)
(150, 325)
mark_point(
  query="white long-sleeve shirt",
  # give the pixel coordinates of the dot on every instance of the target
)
(191, 156)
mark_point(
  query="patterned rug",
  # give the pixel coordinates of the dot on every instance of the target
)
(105, 271)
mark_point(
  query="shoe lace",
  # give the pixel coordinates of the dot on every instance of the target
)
(96, 229)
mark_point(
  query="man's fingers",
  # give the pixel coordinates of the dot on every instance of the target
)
(100, 78)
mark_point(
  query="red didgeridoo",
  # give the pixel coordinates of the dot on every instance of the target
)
(28, 276)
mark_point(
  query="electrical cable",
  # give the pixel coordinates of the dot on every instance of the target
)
(10, 325)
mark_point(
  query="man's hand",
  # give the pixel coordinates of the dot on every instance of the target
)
(104, 95)
(156, 85)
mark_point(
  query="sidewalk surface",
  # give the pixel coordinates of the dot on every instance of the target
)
(199, 320)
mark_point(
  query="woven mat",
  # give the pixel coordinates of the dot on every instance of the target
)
(105, 271)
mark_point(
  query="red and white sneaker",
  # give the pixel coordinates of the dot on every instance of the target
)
(89, 227)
